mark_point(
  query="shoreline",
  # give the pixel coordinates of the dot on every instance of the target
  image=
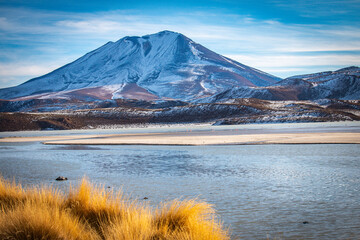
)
(197, 135)
(194, 138)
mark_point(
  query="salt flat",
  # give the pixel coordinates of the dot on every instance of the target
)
(210, 139)
(328, 133)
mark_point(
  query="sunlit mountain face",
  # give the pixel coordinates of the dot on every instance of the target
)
(161, 66)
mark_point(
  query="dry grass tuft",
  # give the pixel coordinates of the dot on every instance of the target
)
(95, 206)
(13, 195)
(40, 221)
(188, 220)
(90, 212)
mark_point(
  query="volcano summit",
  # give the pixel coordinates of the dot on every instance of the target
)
(165, 65)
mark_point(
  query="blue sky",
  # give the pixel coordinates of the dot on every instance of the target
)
(280, 37)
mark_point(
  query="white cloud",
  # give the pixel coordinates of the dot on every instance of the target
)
(319, 8)
(288, 65)
(21, 69)
(288, 61)
(16, 73)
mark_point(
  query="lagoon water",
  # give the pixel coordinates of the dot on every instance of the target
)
(259, 191)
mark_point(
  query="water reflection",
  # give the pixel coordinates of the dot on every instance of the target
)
(75, 147)
(161, 163)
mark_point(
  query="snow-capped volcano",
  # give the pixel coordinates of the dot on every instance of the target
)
(165, 65)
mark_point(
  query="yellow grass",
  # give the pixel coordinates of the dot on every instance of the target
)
(91, 212)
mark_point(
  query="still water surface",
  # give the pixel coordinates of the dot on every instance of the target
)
(259, 191)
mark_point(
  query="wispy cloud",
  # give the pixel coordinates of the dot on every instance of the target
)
(33, 42)
(297, 64)
(13, 69)
(321, 8)
(17, 71)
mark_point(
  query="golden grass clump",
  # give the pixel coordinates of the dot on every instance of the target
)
(187, 220)
(13, 195)
(40, 221)
(90, 212)
(95, 206)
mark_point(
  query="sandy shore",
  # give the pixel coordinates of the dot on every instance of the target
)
(195, 138)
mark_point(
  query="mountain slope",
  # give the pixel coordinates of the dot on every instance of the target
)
(340, 84)
(166, 65)
(328, 75)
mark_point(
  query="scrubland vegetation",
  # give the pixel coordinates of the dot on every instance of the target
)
(91, 212)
